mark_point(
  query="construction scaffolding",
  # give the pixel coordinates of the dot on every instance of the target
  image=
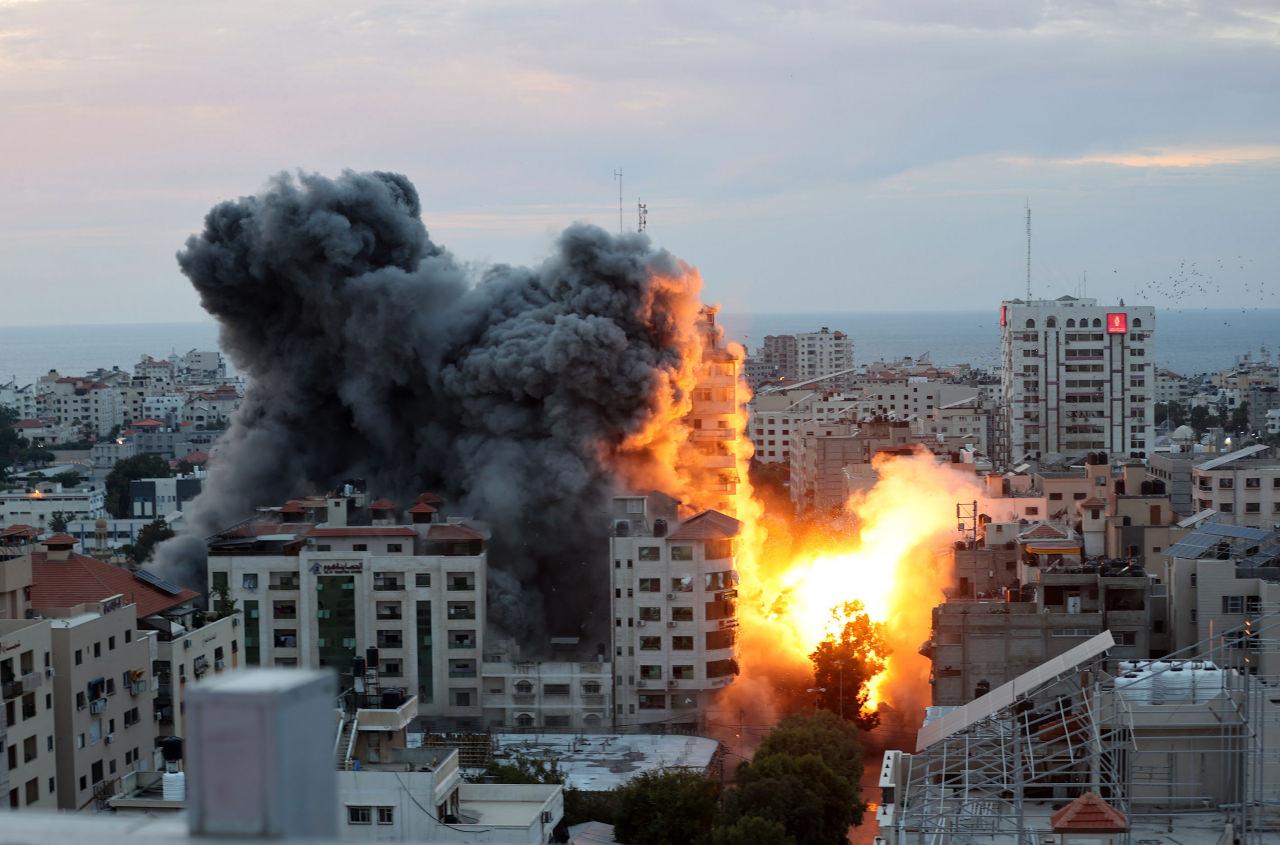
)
(1186, 747)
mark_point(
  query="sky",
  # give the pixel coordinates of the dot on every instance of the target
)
(805, 156)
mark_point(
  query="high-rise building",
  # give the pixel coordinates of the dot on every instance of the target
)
(779, 355)
(1077, 376)
(714, 419)
(823, 353)
(674, 610)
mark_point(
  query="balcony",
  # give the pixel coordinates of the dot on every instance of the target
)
(592, 698)
(524, 698)
(388, 585)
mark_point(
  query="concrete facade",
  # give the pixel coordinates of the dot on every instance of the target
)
(28, 770)
(1076, 376)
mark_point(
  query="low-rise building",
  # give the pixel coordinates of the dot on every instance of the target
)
(36, 507)
(1242, 486)
(552, 694)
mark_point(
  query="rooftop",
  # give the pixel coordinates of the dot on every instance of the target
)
(597, 763)
(80, 580)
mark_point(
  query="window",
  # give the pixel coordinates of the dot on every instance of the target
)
(249, 581)
(386, 815)
(392, 549)
(650, 553)
(653, 701)
(1252, 507)
(682, 614)
(682, 643)
(79, 657)
(682, 584)
(650, 585)
(720, 639)
(651, 614)
(324, 547)
(360, 547)
(682, 552)
(1233, 604)
(422, 579)
(722, 668)
(651, 643)
(359, 815)
(1253, 483)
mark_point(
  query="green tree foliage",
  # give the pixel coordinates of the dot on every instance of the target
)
(1202, 419)
(843, 666)
(823, 733)
(148, 538)
(666, 808)
(811, 802)
(582, 806)
(753, 830)
(70, 478)
(16, 450)
(1239, 420)
(1176, 412)
(524, 770)
(130, 469)
(58, 522)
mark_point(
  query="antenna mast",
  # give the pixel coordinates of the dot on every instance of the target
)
(617, 174)
(642, 214)
(1028, 249)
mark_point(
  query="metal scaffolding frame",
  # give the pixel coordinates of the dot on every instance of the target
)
(996, 768)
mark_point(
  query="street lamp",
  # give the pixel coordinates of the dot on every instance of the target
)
(812, 690)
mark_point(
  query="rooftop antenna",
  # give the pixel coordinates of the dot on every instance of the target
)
(1028, 248)
(642, 212)
(617, 174)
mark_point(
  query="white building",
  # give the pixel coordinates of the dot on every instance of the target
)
(674, 608)
(322, 581)
(201, 366)
(557, 694)
(824, 352)
(776, 419)
(37, 507)
(20, 400)
(1076, 377)
(28, 769)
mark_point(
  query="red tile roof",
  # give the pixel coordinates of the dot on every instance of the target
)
(194, 458)
(1094, 502)
(60, 540)
(1044, 531)
(708, 525)
(29, 532)
(383, 505)
(148, 423)
(291, 506)
(422, 507)
(430, 499)
(452, 531)
(1089, 814)
(363, 531)
(28, 424)
(80, 579)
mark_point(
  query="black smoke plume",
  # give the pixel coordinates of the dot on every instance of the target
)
(372, 354)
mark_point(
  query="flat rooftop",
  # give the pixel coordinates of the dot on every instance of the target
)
(601, 762)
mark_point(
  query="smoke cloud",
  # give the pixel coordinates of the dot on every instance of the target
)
(373, 354)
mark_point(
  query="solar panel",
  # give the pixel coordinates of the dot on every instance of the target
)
(1241, 531)
(1193, 545)
(1233, 456)
(156, 581)
(1006, 694)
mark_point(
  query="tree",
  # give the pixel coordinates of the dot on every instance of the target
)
(666, 808)
(130, 469)
(58, 522)
(1177, 414)
(70, 478)
(824, 733)
(1202, 419)
(524, 770)
(844, 666)
(1162, 412)
(1239, 421)
(753, 830)
(150, 535)
(812, 803)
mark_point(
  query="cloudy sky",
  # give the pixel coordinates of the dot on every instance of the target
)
(805, 156)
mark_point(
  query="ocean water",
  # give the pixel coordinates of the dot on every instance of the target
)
(1186, 341)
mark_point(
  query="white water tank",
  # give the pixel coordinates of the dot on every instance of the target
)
(174, 786)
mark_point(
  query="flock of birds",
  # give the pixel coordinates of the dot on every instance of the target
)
(1189, 286)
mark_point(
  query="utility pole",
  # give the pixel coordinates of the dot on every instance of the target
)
(642, 213)
(1028, 245)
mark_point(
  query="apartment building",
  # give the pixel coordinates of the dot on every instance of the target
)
(19, 399)
(674, 596)
(1243, 487)
(325, 581)
(713, 420)
(37, 507)
(1076, 377)
(28, 770)
(1218, 577)
(555, 694)
(775, 420)
(978, 644)
(824, 353)
(780, 356)
(82, 401)
(158, 497)
(830, 461)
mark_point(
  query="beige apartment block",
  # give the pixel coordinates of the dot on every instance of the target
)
(102, 690)
(27, 764)
(190, 651)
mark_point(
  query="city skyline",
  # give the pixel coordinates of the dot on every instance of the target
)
(1143, 140)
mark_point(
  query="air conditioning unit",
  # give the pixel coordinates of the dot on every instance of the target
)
(671, 596)
(109, 738)
(156, 714)
(137, 687)
(219, 665)
(671, 624)
(671, 683)
(48, 671)
(98, 706)
(186, 645)
(546, 817)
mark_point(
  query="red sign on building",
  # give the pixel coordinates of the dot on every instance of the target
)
(1117, 323)
(1004, 315)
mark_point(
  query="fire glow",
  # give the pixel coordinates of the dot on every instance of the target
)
(882, 551)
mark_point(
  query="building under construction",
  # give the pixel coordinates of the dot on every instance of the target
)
(1181, 750)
